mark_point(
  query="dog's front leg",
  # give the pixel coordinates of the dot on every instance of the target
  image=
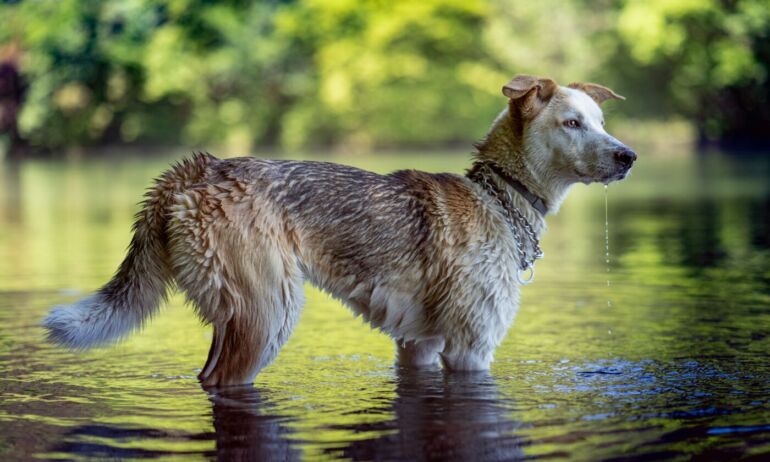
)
(466, 358)
(419, 353)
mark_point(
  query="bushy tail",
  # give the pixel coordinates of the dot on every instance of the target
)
(139, 286)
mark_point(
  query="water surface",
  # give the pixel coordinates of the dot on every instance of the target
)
(676, 367)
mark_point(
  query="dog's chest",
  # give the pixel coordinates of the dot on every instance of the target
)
(480, 293)
(491, 272)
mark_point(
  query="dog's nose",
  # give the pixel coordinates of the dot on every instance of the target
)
(625, 156)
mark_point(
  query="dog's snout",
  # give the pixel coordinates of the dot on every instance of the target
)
(625, 156)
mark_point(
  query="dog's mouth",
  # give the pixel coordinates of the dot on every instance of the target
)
(607, 178)
(622, 174)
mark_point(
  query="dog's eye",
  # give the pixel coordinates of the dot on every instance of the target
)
(572, 123)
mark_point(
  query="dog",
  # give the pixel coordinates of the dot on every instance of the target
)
(434, 260)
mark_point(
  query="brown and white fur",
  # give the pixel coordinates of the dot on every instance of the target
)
(427, 258)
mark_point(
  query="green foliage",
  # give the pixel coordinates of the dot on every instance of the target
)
(369, 72)
(709, 59)
(388, 72)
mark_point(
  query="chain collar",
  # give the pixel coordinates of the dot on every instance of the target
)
(537, 202)
(517, 222)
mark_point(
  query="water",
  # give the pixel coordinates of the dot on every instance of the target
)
(684, 373)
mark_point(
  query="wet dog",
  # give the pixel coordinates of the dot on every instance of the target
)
(434, 260)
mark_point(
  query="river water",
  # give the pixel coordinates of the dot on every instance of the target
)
(676, 367)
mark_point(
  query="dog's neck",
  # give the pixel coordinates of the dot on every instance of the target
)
(522, 159)
(483, 174)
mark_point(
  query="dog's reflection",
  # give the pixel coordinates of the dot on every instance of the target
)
(434, 416)
(437, 416)
(248, 428)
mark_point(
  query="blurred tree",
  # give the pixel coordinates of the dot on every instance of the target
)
(369, 72)
(80, 89)
(706, 59)
(11, 93)
(390, 73)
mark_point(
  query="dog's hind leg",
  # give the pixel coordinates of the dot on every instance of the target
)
(236, 262)
(217, 342)
(253, 336)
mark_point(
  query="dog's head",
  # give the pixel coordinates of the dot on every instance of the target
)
(564, 127)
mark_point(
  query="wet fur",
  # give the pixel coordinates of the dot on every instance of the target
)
(426, 258)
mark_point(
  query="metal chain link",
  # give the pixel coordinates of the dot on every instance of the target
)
(515, 220)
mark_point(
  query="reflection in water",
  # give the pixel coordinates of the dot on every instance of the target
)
(10, 197)
(698, 233)
(760, 229)
(436, 416)
(81, 442)
(246, 430)
(440, 417)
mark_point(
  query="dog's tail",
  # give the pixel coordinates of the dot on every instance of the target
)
(139, 286)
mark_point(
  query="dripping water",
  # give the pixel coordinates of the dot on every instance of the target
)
(607, 245)
(606, 236)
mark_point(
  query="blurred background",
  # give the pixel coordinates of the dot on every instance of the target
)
(361, 75)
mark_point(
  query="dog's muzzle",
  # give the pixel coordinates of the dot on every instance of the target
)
(625, 157)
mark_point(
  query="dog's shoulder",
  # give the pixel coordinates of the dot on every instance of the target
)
(451, 198)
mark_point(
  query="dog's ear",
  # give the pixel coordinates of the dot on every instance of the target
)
(598, 93)
(529, 92)
(520, 85)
